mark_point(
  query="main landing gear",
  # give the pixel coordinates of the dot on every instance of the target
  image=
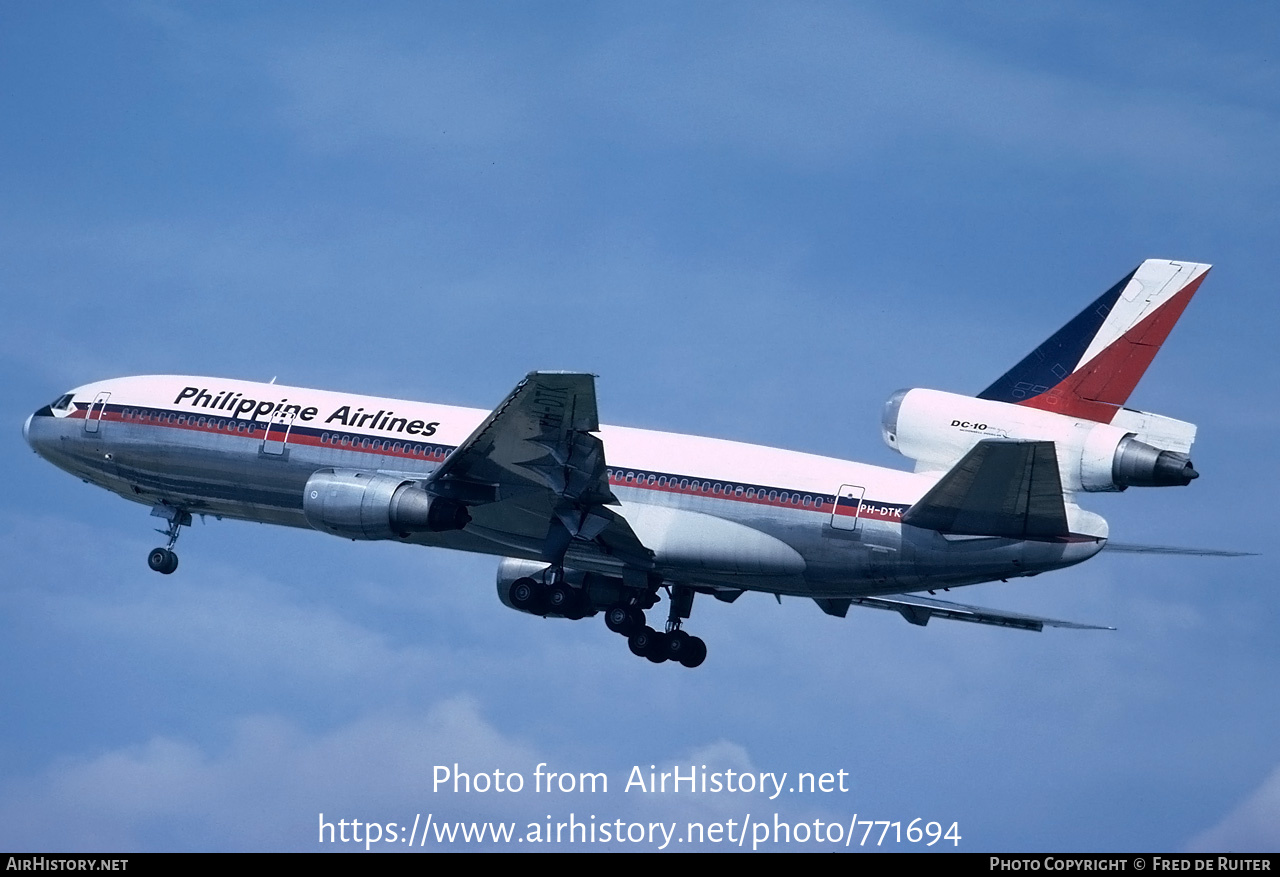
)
(645, 642)
(164, 560)
(555, 598)
(550, 594)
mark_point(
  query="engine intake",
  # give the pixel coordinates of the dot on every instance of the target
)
(369, 505)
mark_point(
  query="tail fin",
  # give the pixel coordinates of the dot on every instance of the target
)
(1091, 365)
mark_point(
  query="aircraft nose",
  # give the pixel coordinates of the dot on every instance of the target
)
(26, 429)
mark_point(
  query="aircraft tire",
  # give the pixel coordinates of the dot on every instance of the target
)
(559, 599)
(677, 645)
(622, 619)
(162, 560)
(648, 643)
(657, 650)
(527, 596)
(572, 605)
(695, 653)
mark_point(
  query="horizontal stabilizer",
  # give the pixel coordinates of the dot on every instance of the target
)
(1130, 548)
(918, 610)
(1000, 488)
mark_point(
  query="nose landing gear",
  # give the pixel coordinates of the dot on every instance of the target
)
(164, 560)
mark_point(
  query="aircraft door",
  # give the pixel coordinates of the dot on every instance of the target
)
(848, 507)
(275, 440)
(93, 417)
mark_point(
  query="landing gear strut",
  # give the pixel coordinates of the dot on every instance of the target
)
(164, 560)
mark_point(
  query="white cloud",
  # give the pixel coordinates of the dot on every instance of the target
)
(1252, 827)
(264, 790)
(267, 787)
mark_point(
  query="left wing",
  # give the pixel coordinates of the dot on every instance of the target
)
(918, 610)
(534, 478)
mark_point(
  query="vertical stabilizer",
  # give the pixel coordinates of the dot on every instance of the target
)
(1089, 367)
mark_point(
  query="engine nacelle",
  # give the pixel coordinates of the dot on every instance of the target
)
(369, 505)
(936, 429)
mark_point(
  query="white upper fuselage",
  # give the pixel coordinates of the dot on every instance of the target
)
(716, 513)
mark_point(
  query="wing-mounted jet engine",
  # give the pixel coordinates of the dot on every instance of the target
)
(370, 505)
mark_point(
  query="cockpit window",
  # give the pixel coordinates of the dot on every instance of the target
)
(63, 402)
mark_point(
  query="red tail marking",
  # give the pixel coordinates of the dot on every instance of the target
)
(1097, 390)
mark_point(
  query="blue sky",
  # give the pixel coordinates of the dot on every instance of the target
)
(752, 221)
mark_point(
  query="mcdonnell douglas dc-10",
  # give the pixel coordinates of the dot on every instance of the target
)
(591, 518)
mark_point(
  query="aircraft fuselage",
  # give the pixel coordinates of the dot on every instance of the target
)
(715, 513)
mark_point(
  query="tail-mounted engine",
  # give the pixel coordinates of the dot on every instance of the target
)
(1135, 449)
(369, 505)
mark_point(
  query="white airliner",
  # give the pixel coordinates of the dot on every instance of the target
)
(592, 518)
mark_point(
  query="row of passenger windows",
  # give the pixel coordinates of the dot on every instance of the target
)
(146, 415)
(345, 441)
(715, 488)
(249, 427)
